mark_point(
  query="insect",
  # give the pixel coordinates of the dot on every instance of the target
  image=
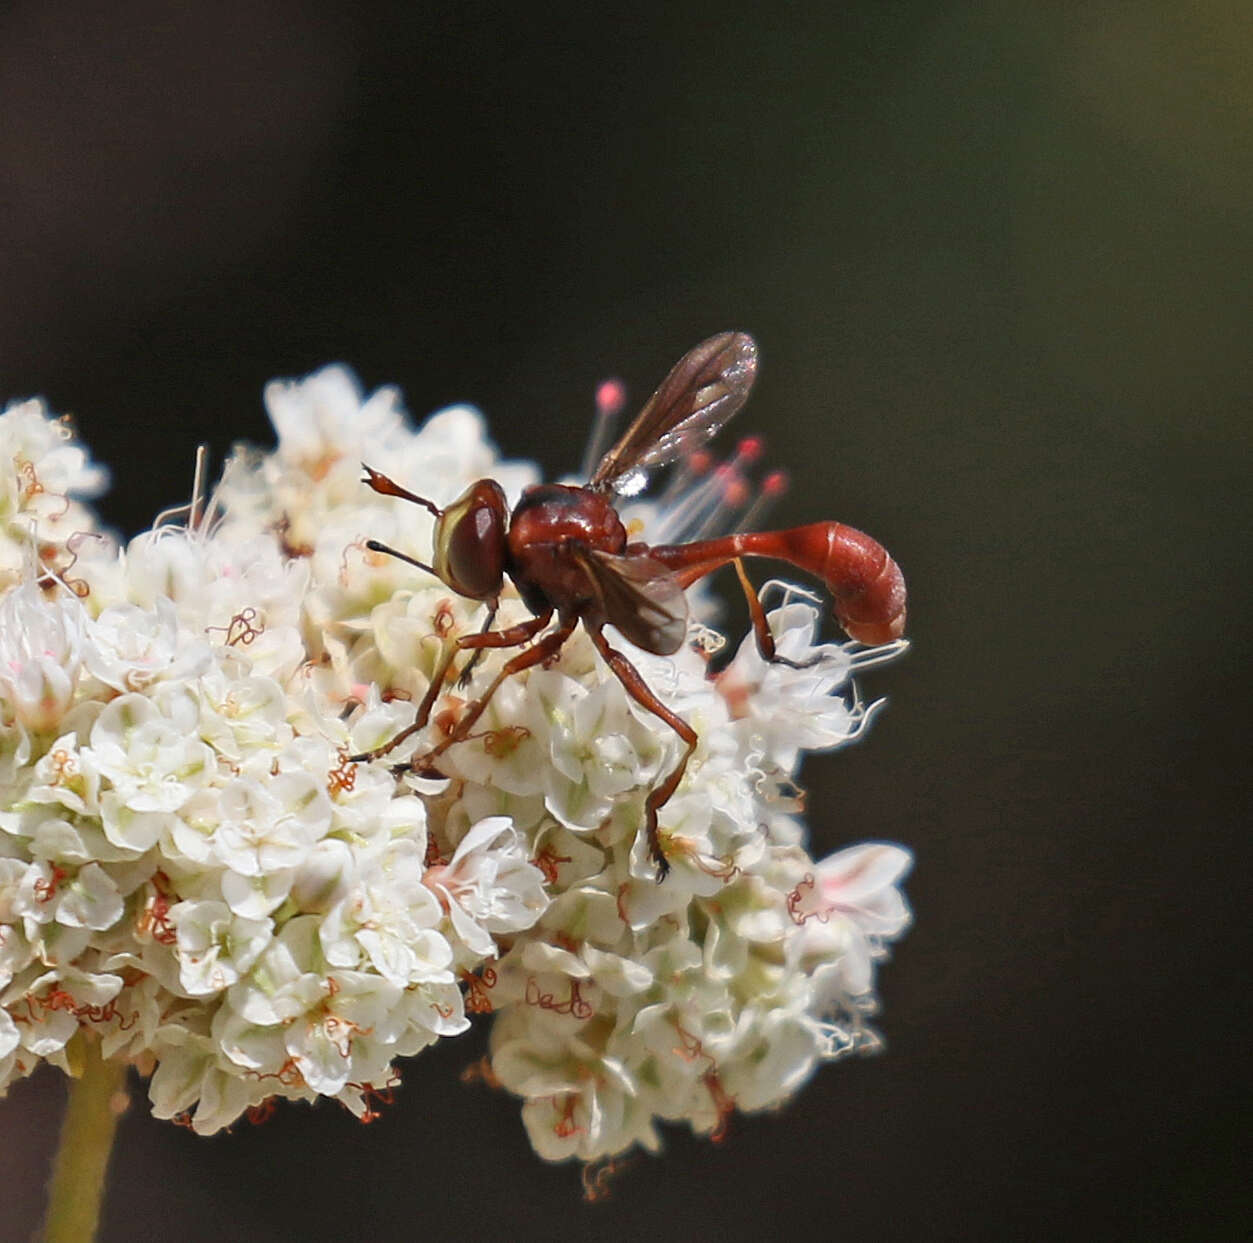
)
(568, 554)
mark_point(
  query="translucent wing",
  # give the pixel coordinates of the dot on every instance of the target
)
(641, 597)
(704, 389)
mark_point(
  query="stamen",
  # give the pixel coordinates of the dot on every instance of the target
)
(241, 628)
(598, 1175)
(868, 657)
(735, 488)
(610, 398)
(203, 511)
(689, 512)
(688, 515)
(773, 486)
(575, 1005)
(197, 487)
(749, 450)
(732, 493)
(691, 466)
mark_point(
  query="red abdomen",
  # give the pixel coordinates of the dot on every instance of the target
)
(867, 587)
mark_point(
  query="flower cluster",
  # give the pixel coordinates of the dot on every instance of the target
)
(195, 871)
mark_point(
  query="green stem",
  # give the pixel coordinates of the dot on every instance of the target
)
(77, 1188)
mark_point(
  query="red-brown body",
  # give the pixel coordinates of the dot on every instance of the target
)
(548, 525)
(566, 550)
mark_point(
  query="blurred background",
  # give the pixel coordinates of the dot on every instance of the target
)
(997, 260)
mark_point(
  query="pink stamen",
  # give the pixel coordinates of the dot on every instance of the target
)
(773, 486)
(750, 449)
(610, 397)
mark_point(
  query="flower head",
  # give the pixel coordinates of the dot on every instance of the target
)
(198, 867)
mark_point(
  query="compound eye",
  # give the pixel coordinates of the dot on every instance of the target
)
(470, 541)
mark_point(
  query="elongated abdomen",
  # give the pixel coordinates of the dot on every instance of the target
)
(867, 587)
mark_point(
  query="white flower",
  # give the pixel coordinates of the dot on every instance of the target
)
(146, 754)
(271, 826)
(215, 946)
(41, 654)
(89, 900)
(489, 886)
(389, 919)
(596, 749)
(788, 710)
(321, 420)
(43, 474)
(190, 1075)
(42, 460)
(851, 902)
(132, 647)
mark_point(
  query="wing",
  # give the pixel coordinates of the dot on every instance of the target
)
(641, 597)
(704, 389)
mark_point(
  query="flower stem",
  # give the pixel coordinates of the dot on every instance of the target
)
(76, 1191)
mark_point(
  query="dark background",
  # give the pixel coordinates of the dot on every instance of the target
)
(997, 259)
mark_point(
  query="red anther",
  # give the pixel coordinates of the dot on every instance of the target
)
(699, 461)
(722, 868)
(292, 550)
(241, 629)
(501, 743)
(444, 620)
(610, 397)
(750, 448)
(343, 778)
(46, 890)
(597, 1176)
(154, 919)
(575, 1006)
(799, 897)
(257, 1114)
(724, 1103)
(477, 985)
(373, 1096)
(158, 922)
(548, 861)
(735, 491)
(565, 1126)
(775, 483)
(26, 472)
(288, 1074)
(480, 1072)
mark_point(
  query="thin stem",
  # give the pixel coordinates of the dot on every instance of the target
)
(77, 1187)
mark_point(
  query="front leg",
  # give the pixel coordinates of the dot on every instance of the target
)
(545, 648)
(512, 636)
(492, 606)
